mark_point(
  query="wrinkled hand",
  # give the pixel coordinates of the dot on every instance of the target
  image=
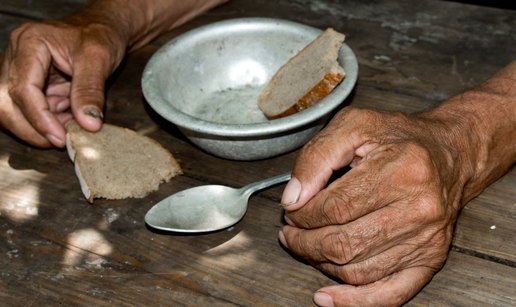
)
(51, 68)
(386, 225)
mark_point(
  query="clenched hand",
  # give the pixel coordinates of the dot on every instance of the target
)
(385, 227)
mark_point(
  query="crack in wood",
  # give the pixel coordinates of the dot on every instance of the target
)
(476, 254)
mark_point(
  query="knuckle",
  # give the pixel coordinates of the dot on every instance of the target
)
(420, 166)
(302, 219)
(438, 243)
(336, 248)
(365, 116)
(432, 248)
(98, 51)
(15, 91)
(310, 150)
(337, 209)
(432, 210)
(100, 42)
(303, 247)
(89, 91)
(355, 116)
(17, 32)
(317, 150)
(421, 177)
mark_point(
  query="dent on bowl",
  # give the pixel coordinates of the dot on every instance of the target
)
(207, 82)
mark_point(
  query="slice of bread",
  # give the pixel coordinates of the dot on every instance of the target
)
(117, 163)
(305, 79)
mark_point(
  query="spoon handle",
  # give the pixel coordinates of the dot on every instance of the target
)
(256, 186)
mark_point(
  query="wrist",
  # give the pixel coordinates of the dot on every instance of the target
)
(478, 131)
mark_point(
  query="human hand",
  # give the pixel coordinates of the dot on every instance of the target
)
(386, 225)
(51, 68)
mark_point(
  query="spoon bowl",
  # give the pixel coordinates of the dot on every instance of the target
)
(205, 208)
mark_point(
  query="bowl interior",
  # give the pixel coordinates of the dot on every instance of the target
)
(210, 78)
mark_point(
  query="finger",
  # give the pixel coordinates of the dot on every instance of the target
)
(91, 69)
(360, 191)
(57, 83)
(57, 86)
(58, 104)
(410, 254)
(391, 291)
(12, 119)
(333, 244)
(27, 75)
(57, 92)
(64, 118)
(330, 150)
(360, 239)
(392, 173)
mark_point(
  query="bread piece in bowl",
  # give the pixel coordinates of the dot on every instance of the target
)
(117, 163)
(305, 79)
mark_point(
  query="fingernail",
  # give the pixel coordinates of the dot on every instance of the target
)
(282, 239)
(289, 221)
(94, 112)
(54, 140)
(291, 193)
(323, 299)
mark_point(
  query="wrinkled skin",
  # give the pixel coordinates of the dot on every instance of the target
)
(57, 69)
(391, 213)
(37, 68)
(385, 226)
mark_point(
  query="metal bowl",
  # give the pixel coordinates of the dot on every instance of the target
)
(207, 82)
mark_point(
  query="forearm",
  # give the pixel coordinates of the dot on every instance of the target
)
(482, 127)
(137, 22)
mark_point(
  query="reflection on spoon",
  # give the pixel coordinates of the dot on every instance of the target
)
(205, 208)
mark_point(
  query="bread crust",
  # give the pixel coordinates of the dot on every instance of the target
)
(305, 79)
(321, 90)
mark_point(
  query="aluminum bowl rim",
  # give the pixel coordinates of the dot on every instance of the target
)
(277, 126)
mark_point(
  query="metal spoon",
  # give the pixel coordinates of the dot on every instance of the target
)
(205, 208)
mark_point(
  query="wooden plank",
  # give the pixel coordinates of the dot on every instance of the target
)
(57, 241)
(434, 49)
(103, 254)
(68, 212)
(468, 281)
(40, 9)
(7, 25)
(487, 225)
(55, 245)
(124, 110)
(13, 13)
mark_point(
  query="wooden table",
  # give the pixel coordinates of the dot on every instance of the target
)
(56, 249)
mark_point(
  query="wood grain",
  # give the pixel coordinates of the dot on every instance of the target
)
(40, 9)
(55, 248)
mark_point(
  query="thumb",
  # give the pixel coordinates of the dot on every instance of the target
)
(330, 150)
(393, 290)
(87, 96)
